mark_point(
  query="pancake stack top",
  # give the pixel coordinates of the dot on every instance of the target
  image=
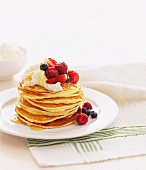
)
(49, 95)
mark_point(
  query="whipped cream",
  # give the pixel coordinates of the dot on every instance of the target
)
(10, 52)
(35, 76)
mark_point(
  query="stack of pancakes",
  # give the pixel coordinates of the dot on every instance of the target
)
(38, 107)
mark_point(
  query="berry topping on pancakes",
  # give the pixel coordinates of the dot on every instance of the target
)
(58, 72)
(74, 76)
(62, 68)
(51, 62)
(60, 78)
(44, 67)
(51, 72)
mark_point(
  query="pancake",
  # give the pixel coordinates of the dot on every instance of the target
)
(54, 107)
(34, 92)
(65, 100)
(38, 118)
(36, 110)
(54, 124)
(31, 95)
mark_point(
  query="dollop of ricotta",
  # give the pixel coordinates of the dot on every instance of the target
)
(53, 87)
(35, 76)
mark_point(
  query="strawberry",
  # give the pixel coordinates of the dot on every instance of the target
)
(60, 78)
(51, 62)
(62, 68)
(51, 72)
(74, 76)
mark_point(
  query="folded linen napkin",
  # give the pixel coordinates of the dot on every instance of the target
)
(126, 136)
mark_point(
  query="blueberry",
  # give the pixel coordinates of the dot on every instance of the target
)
(93, 114)
(86, 111)
(44, 67)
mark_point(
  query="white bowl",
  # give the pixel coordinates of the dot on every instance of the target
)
(10, 67)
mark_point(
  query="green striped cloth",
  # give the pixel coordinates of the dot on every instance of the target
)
(126, 136)
(87, 140)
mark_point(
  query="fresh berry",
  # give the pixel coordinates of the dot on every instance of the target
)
(86, 111)
(87, 105)
(59, 78)
(44, 67)
(93, 114)
(74, 76)
(51, 62)
(62, 68)
(51, 72)
(79, 110)
(81, 119)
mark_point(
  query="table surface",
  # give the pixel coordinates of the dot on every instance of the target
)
(78, 32)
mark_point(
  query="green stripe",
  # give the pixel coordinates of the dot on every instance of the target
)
(97, 136)
(91, 146)
(76, 147)
(86, 146)
(95, 148)
(99, 145)
(82, 147)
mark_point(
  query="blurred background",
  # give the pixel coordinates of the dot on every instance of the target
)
(81, 32)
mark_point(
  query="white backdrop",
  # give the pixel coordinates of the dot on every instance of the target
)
(80, 32)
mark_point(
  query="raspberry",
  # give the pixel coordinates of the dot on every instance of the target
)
(59, 78)
(81, 119)
(87, 105)
(62, 68)
(74, 76)
(51, 62)
(51, 72)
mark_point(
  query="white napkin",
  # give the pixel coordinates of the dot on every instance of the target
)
(126, 84)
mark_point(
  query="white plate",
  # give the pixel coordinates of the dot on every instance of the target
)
(108, 113)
